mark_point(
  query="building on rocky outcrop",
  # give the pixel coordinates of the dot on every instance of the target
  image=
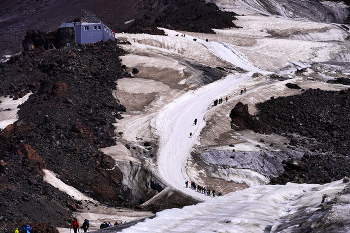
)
(89, 29)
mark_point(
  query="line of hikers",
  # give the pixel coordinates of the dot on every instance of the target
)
(85, 226)
(105, 224)
(202, 189)
(219, 101)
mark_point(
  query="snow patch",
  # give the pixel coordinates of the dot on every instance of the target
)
(51, 178)
(9, 108)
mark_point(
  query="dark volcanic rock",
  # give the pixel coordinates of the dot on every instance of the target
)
(293, 86)
(171, 199)
(344, 81)
(194, 16)
(61, 127)
(184, 15)
(241, 119)
(34, 39)
(143, 26)
(321, 118)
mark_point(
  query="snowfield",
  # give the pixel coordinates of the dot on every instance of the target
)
(264, 45)
(251, 210)
(174, 125)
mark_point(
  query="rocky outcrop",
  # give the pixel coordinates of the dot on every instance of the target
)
(321, 119)
(342, 80)
(144, 26)
(33, 39)
(292, 86)
(241, 119)
(194, 16)
(316, 122)
(318, 114)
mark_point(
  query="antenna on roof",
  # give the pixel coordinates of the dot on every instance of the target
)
(89, 17)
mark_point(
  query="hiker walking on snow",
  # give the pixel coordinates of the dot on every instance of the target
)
(75, 225)
(85, 225)
(195, 121)
(186, 184)
(226, 98)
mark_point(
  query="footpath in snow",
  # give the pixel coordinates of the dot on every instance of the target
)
(174, 124)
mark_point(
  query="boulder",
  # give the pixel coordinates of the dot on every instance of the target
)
(293, 86)
(241, 119)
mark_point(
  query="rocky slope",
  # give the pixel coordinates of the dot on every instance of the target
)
(61, 127)
(316, 123)
(66, 120)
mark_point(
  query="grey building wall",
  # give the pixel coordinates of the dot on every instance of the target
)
(92, 32)
(77, 34)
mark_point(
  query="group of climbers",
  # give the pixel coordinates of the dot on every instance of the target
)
(85, 226)
(24, 229)
(105, 224)
(219, 101)
(202, 189)
(75, 225)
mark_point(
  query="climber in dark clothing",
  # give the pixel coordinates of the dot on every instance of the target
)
(186, 184)
(85, 225)
(195, 121)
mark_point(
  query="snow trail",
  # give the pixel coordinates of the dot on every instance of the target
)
(174, 124)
